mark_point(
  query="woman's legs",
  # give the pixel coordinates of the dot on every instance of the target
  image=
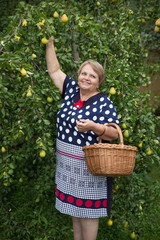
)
(85, 228)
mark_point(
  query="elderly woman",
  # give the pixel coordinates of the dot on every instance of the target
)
(82, 119)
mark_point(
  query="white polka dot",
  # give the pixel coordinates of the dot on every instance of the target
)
(69, 112)
(94, 118)
(114, 114)
(62, 105)
(87, 143)
(67, 85)
(70, 90)
(82, 135)
(94, 110)
(75, 133)
(66, 98)
(87, 107)
(102, 99)
(64, 123)
(79, 116)
(64, 110)
(74, 108)
(117, 121)
(81, 111)
(63, 115)
(67, 130)
(73, 83)
(68, 103)
(60, 128)
(107, 112)
(110, 119)
(57, 120)
(72, 95)
(72, 120)
(70, 139)
(93, 133)
(87, 113)
(89, 138)
(110, 105)
(101, 118)
(78, 141)
(63, 136)
(73, 113)
(70, 125)
(95, 103)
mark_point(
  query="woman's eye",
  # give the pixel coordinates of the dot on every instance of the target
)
(92, 76)
(83, 73)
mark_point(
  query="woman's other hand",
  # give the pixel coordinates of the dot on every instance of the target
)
(84, 125)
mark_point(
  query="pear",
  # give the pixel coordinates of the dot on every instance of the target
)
(44, 40)
(157, 23)
(29, 93)
(42, 154)
(3, 149)
(156, 29)
(112, 91)
(34, 55)
(55, 14)
(49, 99)
(23, 72)
(64, 18)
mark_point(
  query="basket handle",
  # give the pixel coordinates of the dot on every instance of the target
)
(119, 133)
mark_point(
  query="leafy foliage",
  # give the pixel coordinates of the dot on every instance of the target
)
(109, 34)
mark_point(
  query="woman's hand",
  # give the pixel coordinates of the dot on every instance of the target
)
(105, 132)
(50, 41)
(84, 125)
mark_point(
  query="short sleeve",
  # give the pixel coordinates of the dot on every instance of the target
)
(70, 87)
(108, 113)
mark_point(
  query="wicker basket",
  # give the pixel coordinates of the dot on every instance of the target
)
(111, 160)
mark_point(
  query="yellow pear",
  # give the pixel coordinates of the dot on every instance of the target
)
(34, 55)
(156, 29)
(29, 93)
(55, 14)
(124, 125)
(44, 40)
(64, 18)
(23, 72)
(126, 133)
(112, 91)
(42, 153)
(24, 23)
(149, 152)
(49, 99)
(109, 222)
(3, 150)
(157, 23)
(133, 235)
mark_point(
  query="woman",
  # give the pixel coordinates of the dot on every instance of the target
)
(83, 117)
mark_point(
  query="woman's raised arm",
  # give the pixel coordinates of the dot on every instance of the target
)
(53, 66)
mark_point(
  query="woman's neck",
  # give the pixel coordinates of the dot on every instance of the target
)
(85, 95)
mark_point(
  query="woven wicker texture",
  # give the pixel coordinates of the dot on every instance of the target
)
(111, 160)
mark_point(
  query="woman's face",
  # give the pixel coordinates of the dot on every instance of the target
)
(88, 79)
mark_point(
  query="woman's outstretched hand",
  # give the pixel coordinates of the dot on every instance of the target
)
(50, 41)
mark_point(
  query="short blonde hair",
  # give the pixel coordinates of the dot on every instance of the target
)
(97, 67)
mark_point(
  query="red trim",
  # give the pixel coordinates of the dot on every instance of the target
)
(79, 202)
(70, 155)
